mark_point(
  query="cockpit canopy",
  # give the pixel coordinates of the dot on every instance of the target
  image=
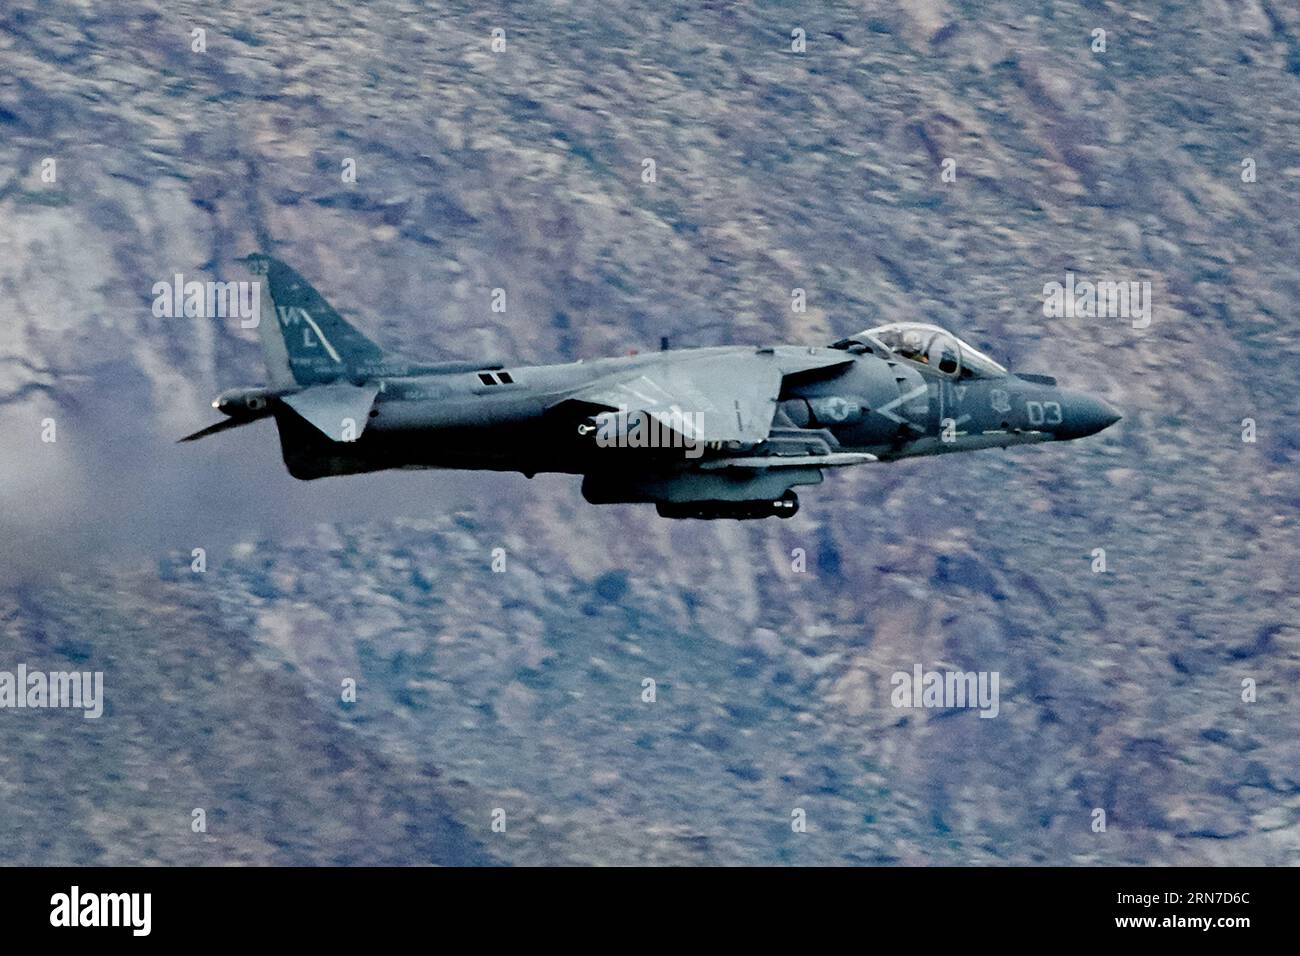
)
(929, 345)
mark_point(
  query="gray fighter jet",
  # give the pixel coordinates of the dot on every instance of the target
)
(724, 432)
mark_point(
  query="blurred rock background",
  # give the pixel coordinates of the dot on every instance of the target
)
(775, 170)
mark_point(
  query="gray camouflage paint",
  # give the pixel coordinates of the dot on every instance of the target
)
(771, 418)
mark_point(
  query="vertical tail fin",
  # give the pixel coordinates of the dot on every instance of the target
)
(304, 340)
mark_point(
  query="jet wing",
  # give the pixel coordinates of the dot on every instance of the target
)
(714, 398)
(331, 407)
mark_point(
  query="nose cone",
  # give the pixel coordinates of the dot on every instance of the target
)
(1084, 415)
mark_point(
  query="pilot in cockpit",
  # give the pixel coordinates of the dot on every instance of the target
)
(929, 345)
(913, 347)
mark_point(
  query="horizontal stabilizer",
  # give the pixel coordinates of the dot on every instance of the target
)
(218, 427)
(339, 411)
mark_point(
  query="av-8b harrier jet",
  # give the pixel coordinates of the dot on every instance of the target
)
(725, 432)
